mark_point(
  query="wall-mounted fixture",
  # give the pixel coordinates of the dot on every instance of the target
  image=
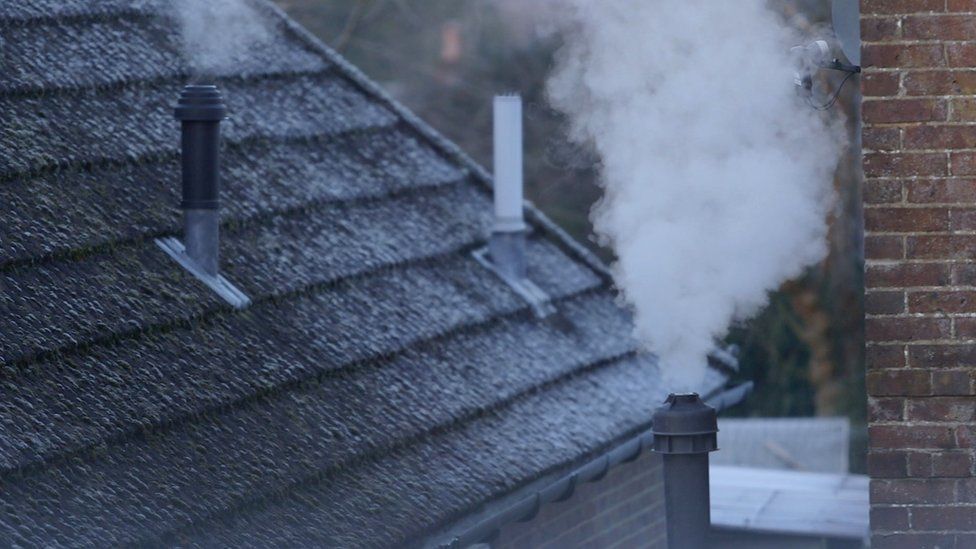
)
(505, 253)
(816, 55)
(200, 111)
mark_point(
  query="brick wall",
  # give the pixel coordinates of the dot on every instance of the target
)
(919, 142)
(625, 509)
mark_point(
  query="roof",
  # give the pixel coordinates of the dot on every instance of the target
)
(816, 444)
(382, 383)
(525, 504)
(789, 502)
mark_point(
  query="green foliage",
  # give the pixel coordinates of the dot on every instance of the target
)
(774, 358)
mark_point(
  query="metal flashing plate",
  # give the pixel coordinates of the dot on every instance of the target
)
(538, 299)
(174, 248)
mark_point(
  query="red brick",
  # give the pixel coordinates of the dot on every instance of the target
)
(888, 519)
(965, 328)
(902, 55)
(895, 437)
(896, 111)
(962, 220)
(902, 275)
(943, 518)
(940, 137)
(881, 139)
(904, 220)
(627, 501)
(887, 380)
(942, 409)
(942, 302)
(880, 29)
(881, 164)
(939, 27)
(884, 247)
(906, 329)
(961, 5)
(894, 7)
(963, 163)
(887, 464)
(884, 357)
(952, 382)
(961, 55)
(886, 409)
(941, 247)
(963, 275)
(966, 490)
(966, 437)
(919, 464)
(880, 84)
(882, 191)
(913, 491)
(939, 82)
(884, 303)
(962, 109)
(941, 356)
(957, 464)
(944, 191)
(898, 382)
(922, 541)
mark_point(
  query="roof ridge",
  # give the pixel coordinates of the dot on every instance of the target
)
(281, 389)
(436, 139)
(380, 450)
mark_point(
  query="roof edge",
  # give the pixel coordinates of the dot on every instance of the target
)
(439, 141)
(530, 500)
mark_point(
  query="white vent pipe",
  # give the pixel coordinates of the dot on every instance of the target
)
(507, 244)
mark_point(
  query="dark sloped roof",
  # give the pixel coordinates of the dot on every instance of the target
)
(381, 384)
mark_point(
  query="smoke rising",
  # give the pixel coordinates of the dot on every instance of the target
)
(219, 34)
(717, 178)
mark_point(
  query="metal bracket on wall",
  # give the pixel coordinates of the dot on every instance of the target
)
(539, 300)
(174, 248)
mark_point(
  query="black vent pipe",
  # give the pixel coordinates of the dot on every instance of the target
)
(200, 110)
(685, 431)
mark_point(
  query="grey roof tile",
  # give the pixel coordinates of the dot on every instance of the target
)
(382, 382)
(124, 50)
(400, 495)
(70, 130)
(25, 11)
(331, 421)
(371, 315)
(58, 212)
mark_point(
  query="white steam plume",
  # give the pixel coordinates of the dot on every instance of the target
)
(718, 180)
(219, 34)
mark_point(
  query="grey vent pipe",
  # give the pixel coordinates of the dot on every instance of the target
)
(200, 110)
(685, 431)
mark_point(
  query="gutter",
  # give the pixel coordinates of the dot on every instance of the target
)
(563, 487)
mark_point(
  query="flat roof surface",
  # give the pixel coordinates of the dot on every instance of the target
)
(771, 500)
